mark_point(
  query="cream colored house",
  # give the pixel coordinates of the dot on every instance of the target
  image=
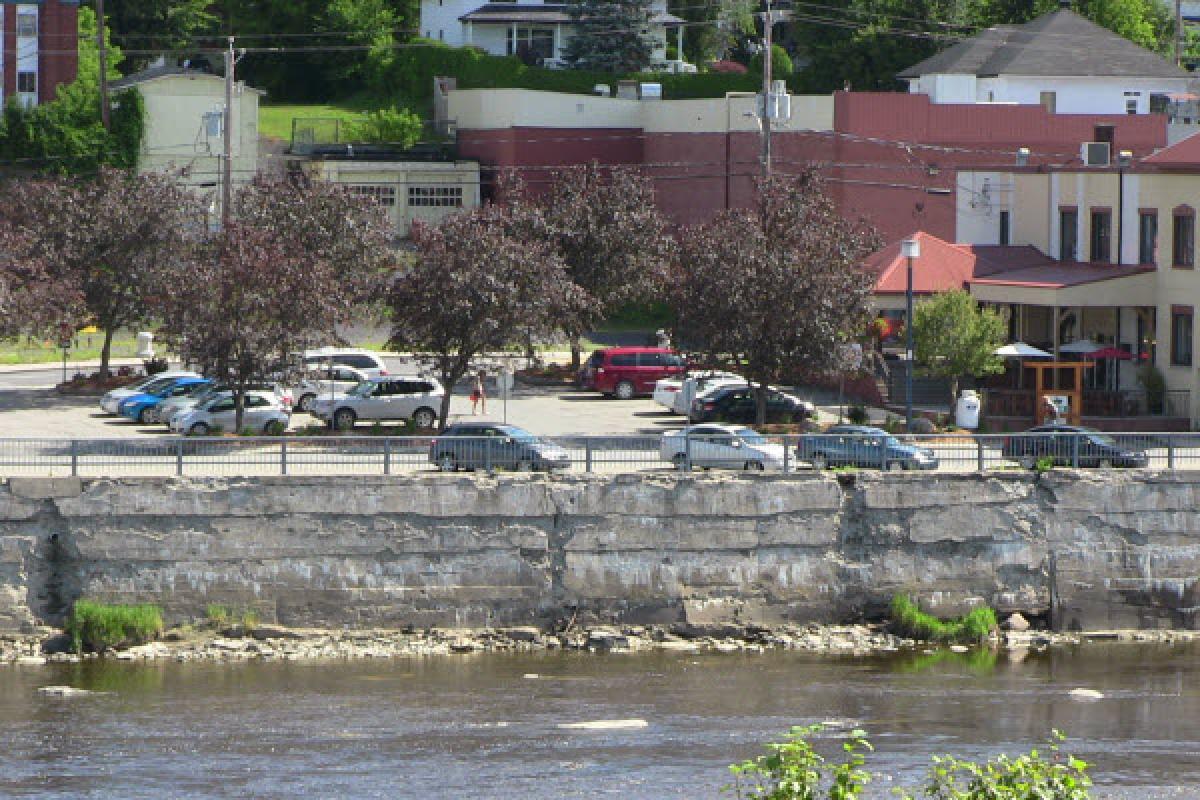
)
(428, 191)
(1123, 240)
(183, 127)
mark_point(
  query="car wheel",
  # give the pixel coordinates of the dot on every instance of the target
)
(273, 428)
(625, 390)
(524, 465)
(680, 461)
(756, 466)
(447, 463)
(896, 466)
(819, 461)
(1105, 463)
(1027, 462)
(344, 419)
(143, 416)
(305, 402)
(424, 418)
(199, 429)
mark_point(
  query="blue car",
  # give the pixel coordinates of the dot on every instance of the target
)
(862, 446)
(138, 406)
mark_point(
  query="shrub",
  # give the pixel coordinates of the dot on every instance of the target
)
(397, 126)
(857, 415)
(911, 621)
(781, 63)
(793, 770)
(1061, 777)
(97, 627)
(1044, 464)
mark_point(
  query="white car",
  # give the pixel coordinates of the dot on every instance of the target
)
(665, 390)
(722, 446)
(697, 385)
(262, 413)
(395, 398)
(111, 400)
(371, 364)
(326, 381)
(165, 411)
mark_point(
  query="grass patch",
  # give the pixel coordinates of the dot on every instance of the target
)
(97, 627)
(276, 121)
(86, 347)
(912, 622)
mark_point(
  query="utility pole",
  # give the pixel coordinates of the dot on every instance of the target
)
(227, 125)
(1178, 32)
(102, 46)
(766, 117)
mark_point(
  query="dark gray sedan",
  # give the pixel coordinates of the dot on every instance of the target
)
(490, 446)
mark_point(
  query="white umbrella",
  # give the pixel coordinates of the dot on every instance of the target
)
(1020, 350)
(1080, 346)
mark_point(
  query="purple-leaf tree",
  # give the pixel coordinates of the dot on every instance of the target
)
(110, 236)
(778, 286)
(299, 260)
(478, 283)
(33, 301)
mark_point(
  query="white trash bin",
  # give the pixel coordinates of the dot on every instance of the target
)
(966, 412)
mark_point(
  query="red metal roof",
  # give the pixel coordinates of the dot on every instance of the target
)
(1059, 275)
(1184, 153)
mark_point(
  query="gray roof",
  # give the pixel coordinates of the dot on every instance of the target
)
(1059, 43)
(165, 71)
(544, 13)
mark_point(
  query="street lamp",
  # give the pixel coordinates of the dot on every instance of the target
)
(910, 249)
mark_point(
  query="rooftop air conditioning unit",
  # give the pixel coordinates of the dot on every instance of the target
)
(1096, 154)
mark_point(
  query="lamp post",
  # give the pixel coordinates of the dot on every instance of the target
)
(910, 249)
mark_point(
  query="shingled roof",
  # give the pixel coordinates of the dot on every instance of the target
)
(1059, 43)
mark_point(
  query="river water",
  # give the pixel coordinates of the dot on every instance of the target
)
(486, 726)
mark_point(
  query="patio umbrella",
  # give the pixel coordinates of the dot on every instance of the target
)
(1080, 346)
(1020, 350)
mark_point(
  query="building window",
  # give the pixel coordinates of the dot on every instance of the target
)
(1147, 236)
(1100, 251)
(1181, 336)
(1183, 238)
(384, 195)
(531, 44)
(1159, 103)
(27, 24)
(1068, 231)
(27, 83)
(1004, 227)
(1049, 101)
(435, 196)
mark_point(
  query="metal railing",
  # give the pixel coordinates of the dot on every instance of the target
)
(371, 455)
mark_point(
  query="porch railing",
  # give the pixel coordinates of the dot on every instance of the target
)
(1120, 403)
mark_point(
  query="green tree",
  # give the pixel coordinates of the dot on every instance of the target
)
(397, 126)
(953, 336)
(150, 25)
(610, 35)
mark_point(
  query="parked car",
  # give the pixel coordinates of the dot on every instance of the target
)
(665, 390)
(1067, 444)
(262, 412)
(696, 385)
(863, 446)
(111, 401)
(168, 408)
(415, 398)
(138, 407)
(739, 404)
(727, 446)
(626, 372)
(371, 364)
(481, 445)
(326, 381)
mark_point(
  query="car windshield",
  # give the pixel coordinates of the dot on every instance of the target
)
(156, 386)
(519, 434)
(209, 402)
(750, 436)
(1100, 438)
(363, 389)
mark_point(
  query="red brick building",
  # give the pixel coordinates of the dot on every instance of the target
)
(889, 157)
(38, 48)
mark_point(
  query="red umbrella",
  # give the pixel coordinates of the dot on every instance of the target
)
(1110, 352)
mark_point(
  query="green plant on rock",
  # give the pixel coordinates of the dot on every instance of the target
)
(909, 620)
(249, 619)
(793, 770)
(217, 614)
(97, 627)
(1044, 464)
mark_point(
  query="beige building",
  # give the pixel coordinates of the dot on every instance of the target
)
(1123, 241)
(428, 191)
(183, 127)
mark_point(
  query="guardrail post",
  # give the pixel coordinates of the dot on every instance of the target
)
(1075, 450)
(387, 456)
(978, 454)
(283, 457)
(587, 454)
(179, 456)
(687, 452)
(487, 454)
(74, 458)
(1170, 451)
(883, 451)
(785, 454)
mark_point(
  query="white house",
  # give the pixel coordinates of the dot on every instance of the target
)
(534, 30)
(1060, 60)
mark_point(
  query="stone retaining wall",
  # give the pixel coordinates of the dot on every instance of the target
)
(1092, 550)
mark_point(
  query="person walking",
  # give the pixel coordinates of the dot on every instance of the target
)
(478, 396)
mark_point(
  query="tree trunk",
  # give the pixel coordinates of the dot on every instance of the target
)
(444, 411)
(576, 352)
(105, 352)
(239, 408)
(760, 404)
(953, 396)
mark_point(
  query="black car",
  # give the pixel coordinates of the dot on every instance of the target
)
(490, 446)
(739, 404)
(1070, 445)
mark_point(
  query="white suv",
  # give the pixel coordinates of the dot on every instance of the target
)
(409, 397)
(369, 363)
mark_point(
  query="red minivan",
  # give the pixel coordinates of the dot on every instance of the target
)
(629, 371)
